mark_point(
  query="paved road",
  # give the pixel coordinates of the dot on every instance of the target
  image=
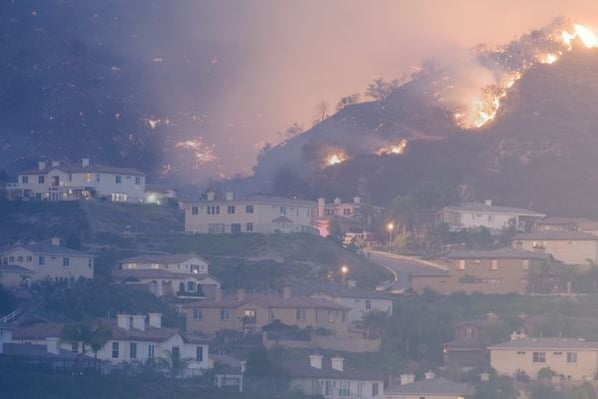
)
(401, 267)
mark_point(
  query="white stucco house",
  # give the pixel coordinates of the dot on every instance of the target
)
(61, 181)
(27, 263)
(172, 263)
(494, 218)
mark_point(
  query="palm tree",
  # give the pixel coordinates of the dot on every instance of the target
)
(87, 333)
(174, 364)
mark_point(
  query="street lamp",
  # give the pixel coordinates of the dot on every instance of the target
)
(390, 227)
(344, 271)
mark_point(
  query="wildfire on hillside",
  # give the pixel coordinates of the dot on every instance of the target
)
(393, 149)
(515, 59)
(334, 158)
(202, 153)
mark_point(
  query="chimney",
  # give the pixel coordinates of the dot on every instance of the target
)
(52, 345)
(123, 320)
(139, 322)
(407, 379)
(41, 165)
(55, 164)
(217, 294)
(337, 201)
(243, 366)
(211, 196)
(155, 320)
(241, 295)
(429, 375)
(230, 196)
(85, 162)
(488, 202)
(55, 241)
(286, 293)
(337, 363)
(315, 361)
(321, 207)
(356, 200)
(485, 377)
(491, 316)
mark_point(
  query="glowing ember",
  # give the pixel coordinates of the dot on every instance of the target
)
(549, 59)
(335, 158)
(396, 149)
(202, 153)
(153, 123)
(587, 36)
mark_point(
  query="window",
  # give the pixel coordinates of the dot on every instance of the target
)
(11, 259)
(98, 177)
(199, 354)
(25, 179)
(41, 179)
(328, 388)
(225, 314)
(375, 389)
(557, 353)
(330, 316)
(197, 314)
(133, 350)
(235, 228)
(539, 357)
(230, 209)
(468, 332)
(195, 210)
(216, 228)
(347, 211)
(249, 227)
(283, 210)
(190, 286)
(300, 314)
(118, 179)
(461, 264)
(213, 210)
(41, 261)
(151, 351)
(137, 180)
(115, 350)
(66, 262)
(87, 177)
(521, 353)
(344, 389)
(30, 259)
(368, 304)
(250, 316)
(525, 264)
(571, 357)
(360, 387)
(494, 264)
(249, 209)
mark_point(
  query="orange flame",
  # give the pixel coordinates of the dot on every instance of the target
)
(395, 149)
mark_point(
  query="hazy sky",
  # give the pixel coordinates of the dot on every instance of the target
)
(271, 61)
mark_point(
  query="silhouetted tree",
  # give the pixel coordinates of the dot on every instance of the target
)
(346, 101)
(320, 112)
(379, 89)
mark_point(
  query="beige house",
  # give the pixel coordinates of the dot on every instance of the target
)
(331, 379)
(244, 312)
(172, 263)
(570, 247)
(494, 218)
(428, 388)
(499, 271)
(60, 181)
(573, 358)
(255, 214)
(43, 261)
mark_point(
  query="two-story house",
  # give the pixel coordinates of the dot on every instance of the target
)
(61, 181)
(570, 247)
(472, 337)
(26, 263)
(574, 358)
(500, 271)
(254, 214)
(251, 312)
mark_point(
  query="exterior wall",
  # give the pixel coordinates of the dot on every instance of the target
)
(575, 252)
(317, 318)
(360, 306)
(490, 276)
(468, 219)
(53, 267)
(509, 361)
(161, 349)
(184, 267)
(357, 389)
(302, 215)
(59, 185)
